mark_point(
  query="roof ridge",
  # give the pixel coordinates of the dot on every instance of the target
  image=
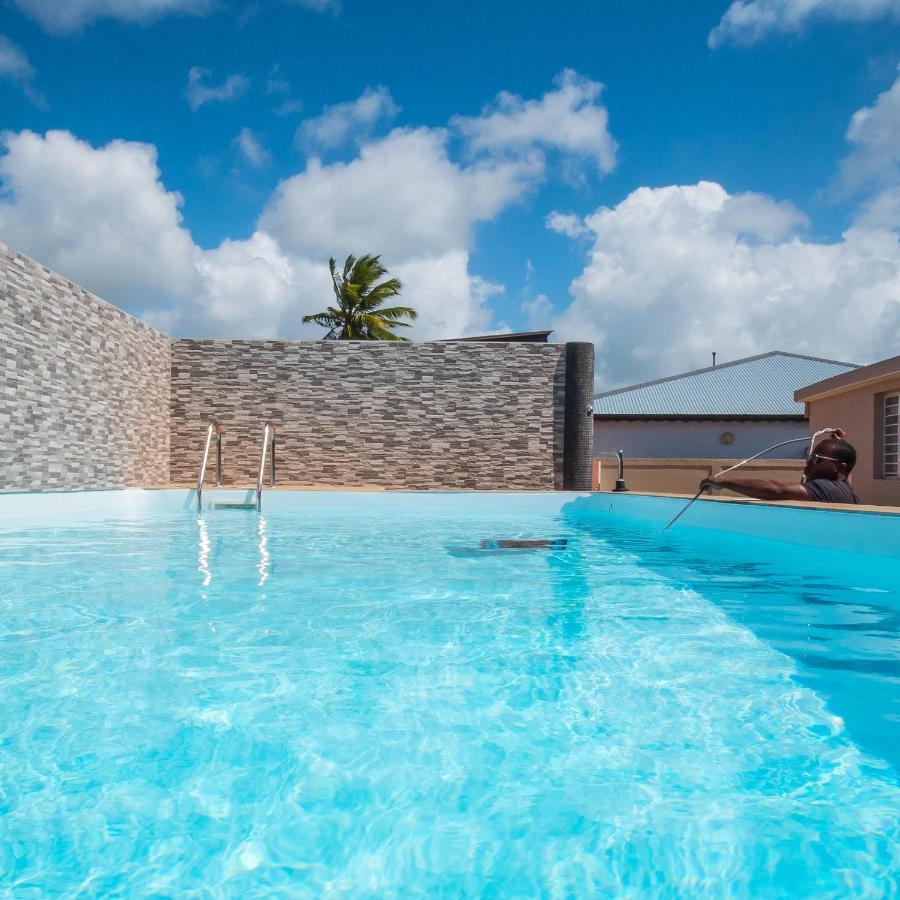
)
(726, 365)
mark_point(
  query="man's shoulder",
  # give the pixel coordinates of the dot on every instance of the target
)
(826, 490)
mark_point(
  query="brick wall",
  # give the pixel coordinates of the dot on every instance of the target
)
(84, 387)
(91, 398)
(394, 415)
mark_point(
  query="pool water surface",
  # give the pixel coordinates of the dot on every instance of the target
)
(354, 698)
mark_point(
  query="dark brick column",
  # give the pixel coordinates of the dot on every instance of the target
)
(578, 434)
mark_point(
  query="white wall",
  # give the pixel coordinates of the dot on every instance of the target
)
(692, 440)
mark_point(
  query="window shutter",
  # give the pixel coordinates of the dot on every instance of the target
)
(891, 457)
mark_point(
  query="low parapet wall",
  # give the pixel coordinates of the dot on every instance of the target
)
(682, 476)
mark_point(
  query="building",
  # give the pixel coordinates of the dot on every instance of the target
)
(864, 402)
(729, 411)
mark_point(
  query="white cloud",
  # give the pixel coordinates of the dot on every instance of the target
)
(449, 300)
(352, 120)
(198, 93)
(103, 217)
(402, 196)
(568, 119)
(678, 272)
(252, 149)
(71, 15)
(568, 224)
(539, 311)
(99, 216)
(748, 21)
(14, 66)
(874, 133)
(249, 288)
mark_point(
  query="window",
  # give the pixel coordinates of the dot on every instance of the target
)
(891, 467)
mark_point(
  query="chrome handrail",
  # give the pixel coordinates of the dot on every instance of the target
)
(620, 455)
(213, 427)
(268, 429)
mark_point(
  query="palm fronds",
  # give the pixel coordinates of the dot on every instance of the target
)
(359, 314)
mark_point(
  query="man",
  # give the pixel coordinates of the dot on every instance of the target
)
(825, 477)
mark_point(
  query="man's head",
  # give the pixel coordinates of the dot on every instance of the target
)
(831, 459)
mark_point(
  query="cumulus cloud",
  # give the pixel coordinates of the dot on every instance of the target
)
(748, 21)
(679, 271)
(198, 93)
(402, 195)
(72, 15)
(14, 67)
(351, 120)
(250, 288)
(450, 301)
(104, 217)
(874, 134)
(252, 149)
(100, 216)
(568, 119)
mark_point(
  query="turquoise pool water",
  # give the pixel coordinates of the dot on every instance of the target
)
(344, 696)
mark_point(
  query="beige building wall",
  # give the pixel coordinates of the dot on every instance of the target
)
(855, 412)
(683, 476)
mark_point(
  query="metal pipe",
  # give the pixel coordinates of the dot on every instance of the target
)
(620, 480)
(268, 429)
(212, 428)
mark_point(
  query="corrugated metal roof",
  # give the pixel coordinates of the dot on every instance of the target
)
(756, 386)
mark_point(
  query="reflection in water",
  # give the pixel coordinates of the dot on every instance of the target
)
(263, 551)
(203, 555)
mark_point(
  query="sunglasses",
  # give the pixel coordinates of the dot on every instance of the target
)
(816, 457)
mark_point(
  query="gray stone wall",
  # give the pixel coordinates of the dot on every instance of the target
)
(394, 415)
(91, 398)
(84, 387)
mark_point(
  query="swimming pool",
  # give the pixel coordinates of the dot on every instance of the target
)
(344, 695)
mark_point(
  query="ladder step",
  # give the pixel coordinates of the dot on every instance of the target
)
(234, 506)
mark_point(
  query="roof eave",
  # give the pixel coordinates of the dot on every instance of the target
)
(867, 376)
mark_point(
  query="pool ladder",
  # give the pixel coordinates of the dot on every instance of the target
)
(268, 446)
(268, 440)
(212, 429)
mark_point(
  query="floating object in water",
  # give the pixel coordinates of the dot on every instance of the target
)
(515, 544)
(490, 545)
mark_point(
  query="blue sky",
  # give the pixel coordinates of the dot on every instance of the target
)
(664, 179)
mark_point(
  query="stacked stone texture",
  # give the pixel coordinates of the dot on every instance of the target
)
(85, 387)
(91, 398)
(391, 415)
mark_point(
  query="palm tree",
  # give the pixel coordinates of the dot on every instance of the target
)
(359, 315)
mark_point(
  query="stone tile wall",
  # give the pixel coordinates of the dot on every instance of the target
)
(394, 415)
(84, 387)
(91, 398)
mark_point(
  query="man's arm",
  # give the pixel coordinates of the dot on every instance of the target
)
(760, 488)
